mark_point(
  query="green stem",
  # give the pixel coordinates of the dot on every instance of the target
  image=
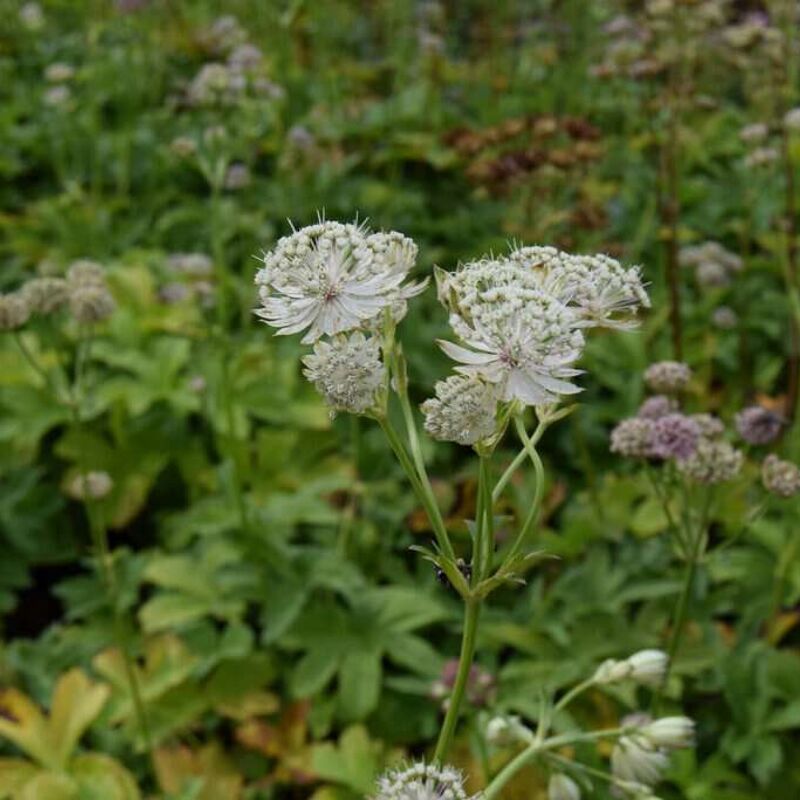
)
(693, 556)
(427, 499)
(35, 365)
(517, 463)
(573, 693)
(230, 424)
(488, 510)
(534, 750)
(471, 614)
(533, 514)
(422, 474)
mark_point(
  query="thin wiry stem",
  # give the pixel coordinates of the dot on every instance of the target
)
(535, 749)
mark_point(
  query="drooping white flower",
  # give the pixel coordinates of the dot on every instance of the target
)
(422, 782)
(670, 732)
(514, 333)
(647, 667)
(463, 410)
(332, 277)
(635, 758)
(347, 371)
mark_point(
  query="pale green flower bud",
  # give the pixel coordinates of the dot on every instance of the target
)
(562, 787)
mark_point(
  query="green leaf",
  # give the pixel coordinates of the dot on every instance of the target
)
(359, 684)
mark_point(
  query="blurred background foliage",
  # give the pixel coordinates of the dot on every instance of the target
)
(287, 642)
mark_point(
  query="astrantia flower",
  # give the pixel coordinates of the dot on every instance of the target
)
(463, 410)
(780, 477)
(14, 311)
(347, 371)
(712, 462)
(85, 272)
(759, 425)
(657, 406)
(331, 278)
(674, 436)
(604, 293)
(517, 336)
(45, 295)
(667, 377)
(90, 303)
(422, 782)
(631, 437)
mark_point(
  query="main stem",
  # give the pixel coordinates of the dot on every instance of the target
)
(693, 555)
(471, 614)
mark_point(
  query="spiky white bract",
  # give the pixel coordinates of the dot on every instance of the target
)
(463, 410)
(347, 371)
(422, 782)
(514, 334)
(331, 278)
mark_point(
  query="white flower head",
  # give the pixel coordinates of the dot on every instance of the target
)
(347, 371)
(332, 278)
(422, 782)
(516, 335)
(463, 410)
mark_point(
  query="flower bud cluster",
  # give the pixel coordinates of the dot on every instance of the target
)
(758, 425)
(781, 478)
(463, 410)
(94, 485)
(90, 300)
(227, 83)
(714, 266)
(422, 781)
(347, 371)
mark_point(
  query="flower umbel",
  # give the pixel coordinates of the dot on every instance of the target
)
(347, 371)
(781, 478)
(517, 336)
(332, 278)
(463, 410)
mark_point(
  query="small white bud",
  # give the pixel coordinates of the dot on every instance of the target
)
(563, 788)
(648, 667)
(503, 731)
(670, 732)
